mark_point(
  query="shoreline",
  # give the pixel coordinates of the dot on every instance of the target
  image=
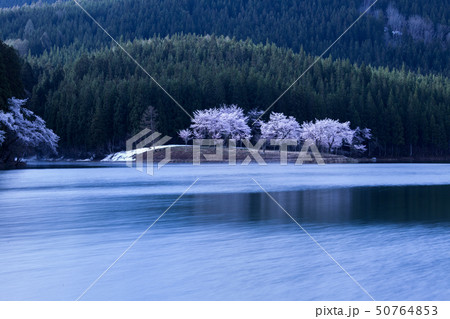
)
(184, 155)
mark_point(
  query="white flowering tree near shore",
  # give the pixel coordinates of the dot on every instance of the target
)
(185, 135)
(234, 123)
(23, 133)
(280, 126)
(225, 122)
(332, 135)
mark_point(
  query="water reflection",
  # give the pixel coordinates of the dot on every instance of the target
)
(338, 205)
(61, 228)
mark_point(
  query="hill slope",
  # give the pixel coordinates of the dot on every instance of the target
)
(97, 101)
(14, 3)
(416, 35)
(10, 75)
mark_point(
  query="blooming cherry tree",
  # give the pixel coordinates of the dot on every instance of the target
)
(280, 126)
(23, 132)
(185, 135)
(205, 123)
(233, 123)
(227, 122)
(329, 134)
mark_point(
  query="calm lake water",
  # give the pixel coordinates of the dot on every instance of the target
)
(388, 225)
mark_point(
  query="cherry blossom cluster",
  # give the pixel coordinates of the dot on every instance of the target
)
(22, 131)
(230, 122)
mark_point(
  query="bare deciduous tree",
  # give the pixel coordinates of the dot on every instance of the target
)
(420, 29)
(396, 21)
(149, 119)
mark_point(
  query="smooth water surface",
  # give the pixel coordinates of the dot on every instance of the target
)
(225, 239)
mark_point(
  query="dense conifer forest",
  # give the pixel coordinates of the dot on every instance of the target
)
(10, 75)
(389, 73)
(97, 101)
(311, 25)
(17, 3)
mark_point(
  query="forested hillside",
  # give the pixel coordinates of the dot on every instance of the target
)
(411, 33)
(22, 133)
(389, 73)
(10, 75)
(97, 101)
(13, 3)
